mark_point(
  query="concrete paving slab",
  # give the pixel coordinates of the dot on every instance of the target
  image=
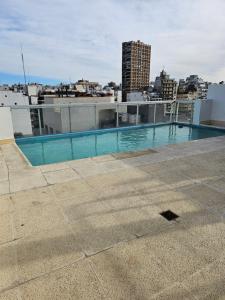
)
(112, 185)
(130, 271)
(77, 281)
(141, 221)
(175, 292)
(75, 212)
(167, 198)
(215, 183)
(12, 294)
(179, 259)
(103, 158)
(33, 197)
(208, 283)
(3, 171)
(127, 202)
(6, 228)
(4, 187)
(103, 181)
(53, 167)
(60, 176)
(94, 168)
(149, 186)
(203, 196)
(207, 229)
(181, 207)
(77, 199)
(46, 251)
(98, 233)
(6, 204)
(70, 189)
(8, 268)
(37, 218)
(166, 173)
(26, 182)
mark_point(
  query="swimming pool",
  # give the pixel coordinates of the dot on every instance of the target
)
(63, 147)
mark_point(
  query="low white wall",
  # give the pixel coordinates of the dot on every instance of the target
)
(216, 93)
(6, 127)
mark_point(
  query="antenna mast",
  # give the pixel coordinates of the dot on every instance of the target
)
(24, 73)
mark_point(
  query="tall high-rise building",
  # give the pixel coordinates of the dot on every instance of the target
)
(136, 57)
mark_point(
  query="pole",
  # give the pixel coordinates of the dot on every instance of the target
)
(39, 121)
(154, 113)
(117, 116)
(137, 114)
(69, 119)
(177, 111)
(96, 127)
(24, 73)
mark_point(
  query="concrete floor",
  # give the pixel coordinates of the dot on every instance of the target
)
(92, 229)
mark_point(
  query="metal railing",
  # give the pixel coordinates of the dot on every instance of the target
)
(29, 120)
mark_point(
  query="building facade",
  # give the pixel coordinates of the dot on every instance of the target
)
(136, 58)
(165, 86)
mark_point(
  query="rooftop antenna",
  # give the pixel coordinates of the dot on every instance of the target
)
(24, 73)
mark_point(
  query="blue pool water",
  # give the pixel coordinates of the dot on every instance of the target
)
(63, 147)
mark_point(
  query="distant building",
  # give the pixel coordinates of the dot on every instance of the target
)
(165, 86)
(4, 87)
(88, 86)
(33, 91)
(136, 58)
(192, 88)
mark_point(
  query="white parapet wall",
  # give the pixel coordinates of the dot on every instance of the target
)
(212, 110)
(216, 93)
(6, 126)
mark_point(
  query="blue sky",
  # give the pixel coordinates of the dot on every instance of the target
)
(73, 39)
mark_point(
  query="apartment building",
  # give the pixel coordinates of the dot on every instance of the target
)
(165, 86)
(136, 58)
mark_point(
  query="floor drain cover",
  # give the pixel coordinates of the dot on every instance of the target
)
(169, 215)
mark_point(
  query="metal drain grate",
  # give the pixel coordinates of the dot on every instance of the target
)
(169, 215)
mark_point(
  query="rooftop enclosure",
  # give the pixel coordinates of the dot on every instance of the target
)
(33, 120)
(63, 118)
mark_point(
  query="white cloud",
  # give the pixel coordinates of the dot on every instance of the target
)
(74, 38)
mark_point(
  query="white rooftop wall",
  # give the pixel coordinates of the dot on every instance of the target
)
(20, 117)
(135, 96)
(6, 127)
(8, 98)
(216, 93)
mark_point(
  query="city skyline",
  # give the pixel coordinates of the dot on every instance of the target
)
(84, 40)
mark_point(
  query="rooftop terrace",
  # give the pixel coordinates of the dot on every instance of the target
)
(92, 229)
